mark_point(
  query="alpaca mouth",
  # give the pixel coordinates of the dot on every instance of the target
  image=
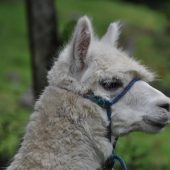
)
(156, 123)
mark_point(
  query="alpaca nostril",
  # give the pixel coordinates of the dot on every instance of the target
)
(165, 106)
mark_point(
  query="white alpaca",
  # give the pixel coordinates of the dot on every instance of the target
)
(67, 131)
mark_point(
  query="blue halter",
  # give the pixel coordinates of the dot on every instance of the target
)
(106, 104)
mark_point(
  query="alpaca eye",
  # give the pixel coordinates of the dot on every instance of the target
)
(111, 84)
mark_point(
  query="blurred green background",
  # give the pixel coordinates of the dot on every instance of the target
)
(146, 34)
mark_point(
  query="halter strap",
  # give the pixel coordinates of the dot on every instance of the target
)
(124, 91)
(106, 104)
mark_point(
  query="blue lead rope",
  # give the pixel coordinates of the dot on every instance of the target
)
(106, 104)
(120, 160)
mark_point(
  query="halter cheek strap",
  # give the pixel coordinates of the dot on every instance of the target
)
(106, 104)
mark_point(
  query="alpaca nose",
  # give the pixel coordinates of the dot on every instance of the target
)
(165, 106)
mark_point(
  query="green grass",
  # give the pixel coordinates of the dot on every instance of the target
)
(104, 12)
(148, 151)
(15, 75)
(146, 28)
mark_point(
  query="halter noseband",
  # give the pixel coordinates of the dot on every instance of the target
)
(106, 104)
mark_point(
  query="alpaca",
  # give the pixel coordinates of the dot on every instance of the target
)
(67, 131)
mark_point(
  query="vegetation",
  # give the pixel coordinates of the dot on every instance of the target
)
(15, 76)
(148, 34)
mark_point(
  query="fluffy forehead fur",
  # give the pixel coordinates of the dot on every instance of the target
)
(102, 60)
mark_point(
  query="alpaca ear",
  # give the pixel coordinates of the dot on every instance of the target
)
(81, 41)
(112, 34)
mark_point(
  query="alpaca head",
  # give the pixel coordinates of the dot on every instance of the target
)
(97, 65)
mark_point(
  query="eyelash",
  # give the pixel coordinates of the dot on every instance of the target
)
(111, 84)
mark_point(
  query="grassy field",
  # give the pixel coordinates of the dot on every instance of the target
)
(15, 75)
(146, 29)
